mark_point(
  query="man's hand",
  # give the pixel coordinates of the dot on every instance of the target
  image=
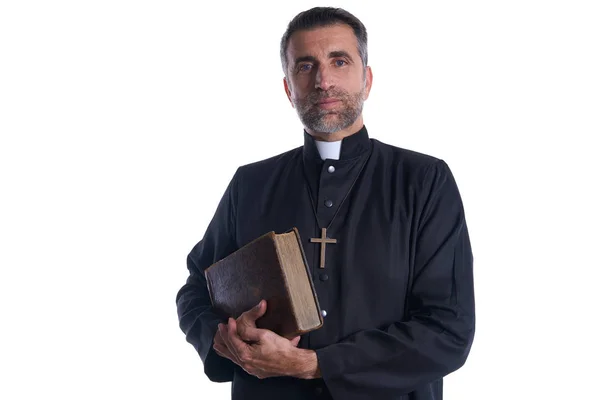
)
(221, 348)
(261, 352)
(247, 319)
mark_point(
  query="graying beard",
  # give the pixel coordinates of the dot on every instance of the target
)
(316, 120)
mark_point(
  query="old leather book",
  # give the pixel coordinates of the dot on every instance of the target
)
(272, 267)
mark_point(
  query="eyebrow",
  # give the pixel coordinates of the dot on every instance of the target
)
(304, 58)
(332, 54)
(339, 53)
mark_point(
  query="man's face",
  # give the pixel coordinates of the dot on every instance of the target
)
(326, 81)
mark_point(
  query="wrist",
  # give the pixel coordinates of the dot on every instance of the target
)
(308, 365)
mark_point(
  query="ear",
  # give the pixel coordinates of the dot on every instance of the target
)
(288, 92)
(368, 82)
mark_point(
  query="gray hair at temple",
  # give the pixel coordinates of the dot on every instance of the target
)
(324, 16)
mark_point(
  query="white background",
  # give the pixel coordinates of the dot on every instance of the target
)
(122, 122)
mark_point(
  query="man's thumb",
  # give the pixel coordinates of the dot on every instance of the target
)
(259, 309)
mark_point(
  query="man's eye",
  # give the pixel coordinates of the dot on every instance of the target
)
(305, 68)
(340, 63)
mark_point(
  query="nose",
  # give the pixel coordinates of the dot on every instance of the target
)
(323, 79)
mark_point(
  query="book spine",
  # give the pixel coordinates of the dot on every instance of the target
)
(288, 299)
(308, 273)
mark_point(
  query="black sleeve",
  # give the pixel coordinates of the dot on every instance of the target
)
(436, 336)
(197, 318)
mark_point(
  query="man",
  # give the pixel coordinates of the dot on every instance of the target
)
(396, 288)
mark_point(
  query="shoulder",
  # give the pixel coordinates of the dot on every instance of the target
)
(409, 161)
(269, 165)
(422, 171)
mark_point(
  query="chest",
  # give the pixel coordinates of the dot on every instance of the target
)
(368, 270)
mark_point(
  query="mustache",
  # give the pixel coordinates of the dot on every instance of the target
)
(315, 97)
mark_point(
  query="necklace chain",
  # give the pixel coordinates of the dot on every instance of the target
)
(313, 203)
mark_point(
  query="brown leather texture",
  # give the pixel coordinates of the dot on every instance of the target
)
(238, 282)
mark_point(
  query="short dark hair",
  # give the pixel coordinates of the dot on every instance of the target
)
(324, 16)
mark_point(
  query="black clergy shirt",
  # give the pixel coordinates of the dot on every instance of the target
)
(397, 286)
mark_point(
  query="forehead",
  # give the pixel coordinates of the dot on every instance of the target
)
(322, 40)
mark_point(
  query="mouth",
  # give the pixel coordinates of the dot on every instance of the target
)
(328, 102)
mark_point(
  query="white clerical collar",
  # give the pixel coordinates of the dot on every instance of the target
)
(329, 150)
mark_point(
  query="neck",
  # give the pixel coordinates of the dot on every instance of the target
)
(339, 135)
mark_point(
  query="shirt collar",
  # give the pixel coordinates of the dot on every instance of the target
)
(352, 146)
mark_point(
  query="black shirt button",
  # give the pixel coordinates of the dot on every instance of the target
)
(323, 277)
(328, 203)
